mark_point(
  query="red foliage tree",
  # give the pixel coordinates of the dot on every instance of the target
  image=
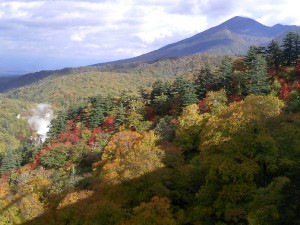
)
(203, 107)
(272, 73)
(72, 134)
(296, 85)
(109, 123)
(37, 160)
(234, 98)
(150, 113)
(285, 91)
(95, 133)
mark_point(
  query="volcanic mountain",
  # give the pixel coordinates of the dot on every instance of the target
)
(234, 36)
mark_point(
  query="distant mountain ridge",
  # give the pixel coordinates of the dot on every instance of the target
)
(234, 36)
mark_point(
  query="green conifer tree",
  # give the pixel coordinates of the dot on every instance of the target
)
(274, 54)
(251, 55)
(257, 80)
(185, 91)
(226, 74)
(160, 88)
(101, 106)
(204, 81)
(58, 125)
(290, 48)
(10, 162)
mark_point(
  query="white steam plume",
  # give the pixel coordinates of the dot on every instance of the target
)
(42, 114)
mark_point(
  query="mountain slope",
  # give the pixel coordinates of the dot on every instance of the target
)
(63, 89)
(234, 36)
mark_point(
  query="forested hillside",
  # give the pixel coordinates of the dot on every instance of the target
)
(13, 129)
(217, 143)
(60, 89)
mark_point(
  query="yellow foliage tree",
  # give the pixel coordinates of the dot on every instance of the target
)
(188, 129)
(157, 212)
(10, 214)
(30, 206)
(129, 155)
(73, 197)
(240, 116)
(216, 100)
(234, 149)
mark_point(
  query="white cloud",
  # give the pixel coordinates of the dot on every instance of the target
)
(158, 24)
(77, 37)
(81, 33)
(17, 9)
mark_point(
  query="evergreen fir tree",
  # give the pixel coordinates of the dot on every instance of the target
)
(120, 113)
(204, 81)
(96, 117)
(58, 125)
(250, 57)
(25, 152)
(161, 104)
(189, 95)
(226, 74)
(10, 162)
(274, 54)
(257, 80)
(290, 48)
(160, 88)
(185, 91)
(101, 108)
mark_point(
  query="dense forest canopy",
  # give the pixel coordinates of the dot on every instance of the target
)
(217, 142)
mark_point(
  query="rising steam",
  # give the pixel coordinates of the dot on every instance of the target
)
(42, 114)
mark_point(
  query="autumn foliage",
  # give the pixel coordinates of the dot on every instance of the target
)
(216, 145)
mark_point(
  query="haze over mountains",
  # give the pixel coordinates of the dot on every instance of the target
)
(234, 36)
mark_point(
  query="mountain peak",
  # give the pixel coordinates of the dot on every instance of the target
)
(239, 19)
(244, 25)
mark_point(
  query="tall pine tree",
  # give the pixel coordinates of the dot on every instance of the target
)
(257, 80)
(185, 91)
(226, 74)
(252, 52)
(274, 54)
(205, 81)
(10, 162)
(160, 88)
(58, 125)
(290, 48)
(101, 106)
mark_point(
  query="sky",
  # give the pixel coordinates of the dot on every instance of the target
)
(53, 34)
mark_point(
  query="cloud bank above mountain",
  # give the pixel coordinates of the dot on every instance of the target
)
(52, 34)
